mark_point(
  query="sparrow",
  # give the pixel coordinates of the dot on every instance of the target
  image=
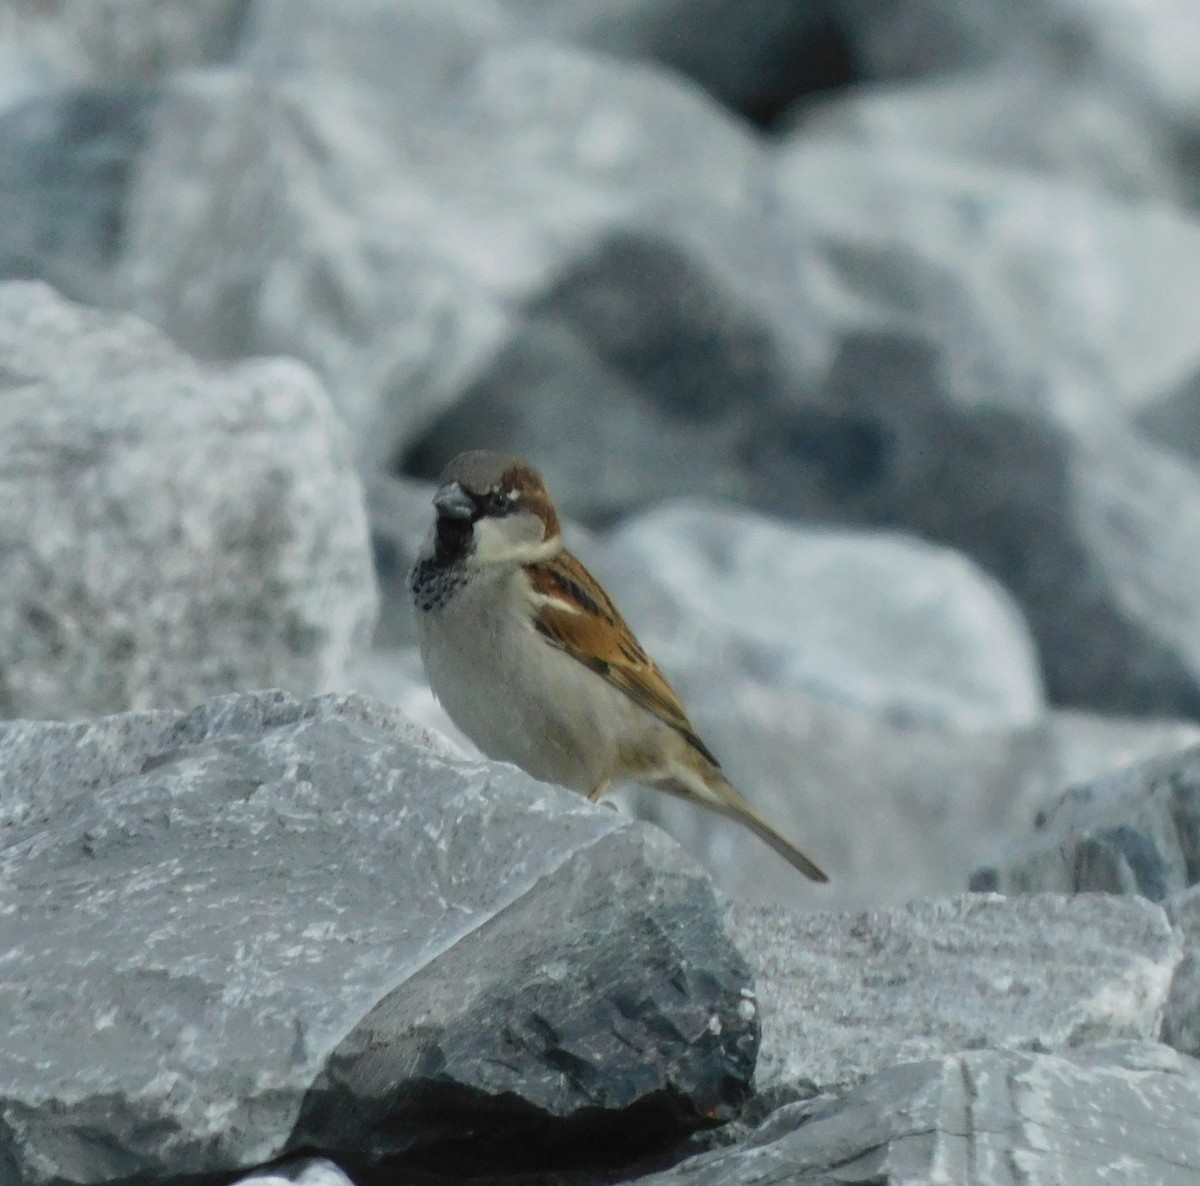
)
(529, 656)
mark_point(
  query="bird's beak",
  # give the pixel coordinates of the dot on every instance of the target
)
(453, 502)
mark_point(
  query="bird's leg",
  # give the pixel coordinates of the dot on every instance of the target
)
(597, 792)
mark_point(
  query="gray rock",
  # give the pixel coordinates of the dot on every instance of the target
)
(693, 330)
(78, 86)
(1149, 51)
(401, 511)
(1136, 831)
(416, 49)
(267, 926)
(64, 170)
(1115, 1112)
(168, 530)
(119, 42)
(1174, 420)
(1003, 438)
(1079, 291)
(844, 996)
(1082, 747)
(1181, 1018)
(21, 78)
(394, 259)
(888, 624)
(1030, 119)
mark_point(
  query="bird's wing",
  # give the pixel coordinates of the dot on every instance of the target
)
(576, 615)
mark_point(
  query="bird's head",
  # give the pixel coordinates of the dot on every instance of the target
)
(493, 510)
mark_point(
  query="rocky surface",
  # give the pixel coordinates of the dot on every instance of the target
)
(65, 159)
(1145, 52)
(1051, 277)
(1122, 1112)
(1033, 119)
(1135, 831)
(973, 351)
(310, 916)
(422, 284)
(167, 530)
(1181, 1018)
(845, 996)
(114, 42)
(898, 298)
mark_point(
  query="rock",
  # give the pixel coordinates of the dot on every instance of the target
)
(1149, 51)
(79, 84)
(1075, 748)
(845, 996)
(1063, 127)
(888, 624)
(996, 436)
(21, 79)
(692, 330)
(754, 55)
(312, 917)
(168, 530)
(1078, 290)
(1174, 420)
(119, 42)
(416, 49)
(394, 258)
(308, 1171)
(1136, 831)
(64, 167)
(1115, 1112)
(401, 512)
(1181, 1018)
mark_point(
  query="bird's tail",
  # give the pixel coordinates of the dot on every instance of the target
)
(717, 793)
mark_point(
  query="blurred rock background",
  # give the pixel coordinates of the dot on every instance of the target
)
(858, 340)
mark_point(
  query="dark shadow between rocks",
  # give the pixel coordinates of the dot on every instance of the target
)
(458, 1134)
(757, 58)
(825, 62)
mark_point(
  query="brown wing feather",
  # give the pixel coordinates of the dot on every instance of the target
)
(599, 639)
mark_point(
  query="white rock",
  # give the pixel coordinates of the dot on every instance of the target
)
(881, 621)
(168, 530)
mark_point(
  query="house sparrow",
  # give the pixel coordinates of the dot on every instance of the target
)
(531, 659)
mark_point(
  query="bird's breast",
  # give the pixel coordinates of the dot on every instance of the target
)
(516, 696)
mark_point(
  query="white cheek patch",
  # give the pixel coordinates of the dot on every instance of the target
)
(511, 539)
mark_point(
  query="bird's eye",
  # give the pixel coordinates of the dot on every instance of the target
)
(501, 502)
